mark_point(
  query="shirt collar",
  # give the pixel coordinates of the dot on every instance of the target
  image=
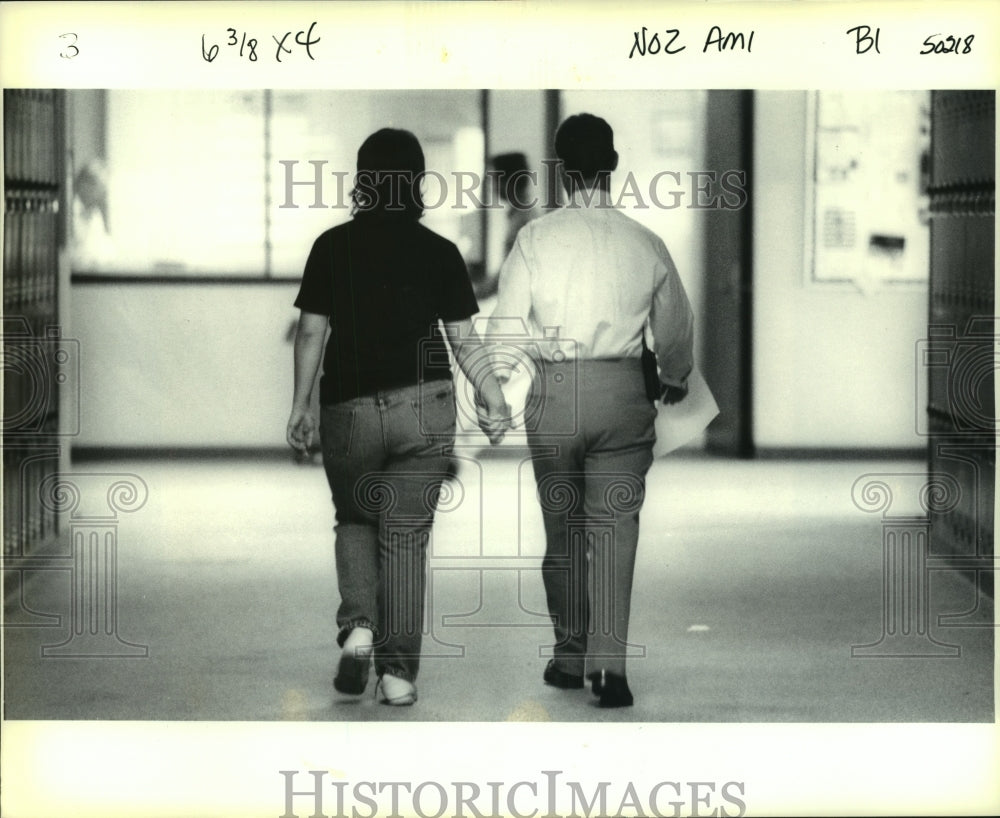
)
(593, 199)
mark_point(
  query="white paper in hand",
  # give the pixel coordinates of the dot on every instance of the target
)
(680, 423)
(675, 425)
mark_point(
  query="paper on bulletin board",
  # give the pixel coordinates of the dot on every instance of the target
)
(680, 423)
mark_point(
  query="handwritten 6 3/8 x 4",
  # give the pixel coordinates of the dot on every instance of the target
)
(248, 45)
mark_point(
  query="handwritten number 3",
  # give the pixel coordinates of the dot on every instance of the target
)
(66, 55)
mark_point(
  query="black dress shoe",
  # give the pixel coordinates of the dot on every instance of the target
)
(560, 678)
(611, 689)
(596, 682)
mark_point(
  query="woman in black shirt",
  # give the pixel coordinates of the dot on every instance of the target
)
(383, 284)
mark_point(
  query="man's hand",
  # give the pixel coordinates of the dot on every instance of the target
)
(493, 420)
(673, 394)
(301, 431)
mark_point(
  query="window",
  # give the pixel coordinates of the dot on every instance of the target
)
(222, 183)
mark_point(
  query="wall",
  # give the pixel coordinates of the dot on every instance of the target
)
(517, 123)
(86, 126)
(184, 365)
(833, 366)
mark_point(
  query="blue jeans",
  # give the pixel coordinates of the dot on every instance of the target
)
(386, 456)
(591, 437)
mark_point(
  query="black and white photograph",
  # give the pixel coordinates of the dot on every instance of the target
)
(471, 443)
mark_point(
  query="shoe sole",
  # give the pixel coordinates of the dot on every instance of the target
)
(575, 684)
(400, 701)
(609, 703)
(352, 674)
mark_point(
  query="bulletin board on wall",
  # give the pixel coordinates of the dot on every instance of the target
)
(867, 205)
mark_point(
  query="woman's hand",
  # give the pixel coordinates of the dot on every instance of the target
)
(301, 430)
(492, 411)
(309, 337)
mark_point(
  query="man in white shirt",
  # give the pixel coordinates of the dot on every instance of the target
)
(585, 281)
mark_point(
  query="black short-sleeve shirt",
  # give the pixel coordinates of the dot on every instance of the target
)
(384, 281)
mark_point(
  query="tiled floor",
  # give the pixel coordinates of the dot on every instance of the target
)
(754, 581)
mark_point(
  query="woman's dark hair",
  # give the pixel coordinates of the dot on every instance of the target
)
(390, 170)
(586, 145)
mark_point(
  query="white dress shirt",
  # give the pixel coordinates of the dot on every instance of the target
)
(586, 278)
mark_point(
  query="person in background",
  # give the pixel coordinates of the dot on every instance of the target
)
(395, 296)
(515, 192)
(586, 280)
(91, 246)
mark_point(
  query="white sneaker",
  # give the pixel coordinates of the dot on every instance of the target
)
(395, 691)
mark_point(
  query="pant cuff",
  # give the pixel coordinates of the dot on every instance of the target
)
(571, 663)
(346, 629)
(398, 672)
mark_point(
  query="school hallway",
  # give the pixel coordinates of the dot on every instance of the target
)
(754, 581)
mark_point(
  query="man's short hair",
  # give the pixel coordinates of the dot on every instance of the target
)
(586, 145)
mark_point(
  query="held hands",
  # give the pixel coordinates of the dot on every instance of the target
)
(494, 419)
(301, 431)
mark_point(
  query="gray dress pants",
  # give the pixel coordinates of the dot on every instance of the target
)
(590, 428)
